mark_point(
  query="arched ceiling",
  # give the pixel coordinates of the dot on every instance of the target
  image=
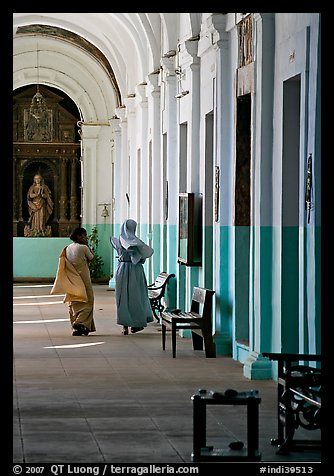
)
(130, 42)
(115, 50)
(78, 41)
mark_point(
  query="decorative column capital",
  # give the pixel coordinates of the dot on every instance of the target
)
(130, 105)
(141, 91)
(91, 130)
(168, 66)
(121, 112)
(213, 34)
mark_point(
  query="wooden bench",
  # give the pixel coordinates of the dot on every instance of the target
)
(298, 400)
(198, 320)
(156, 292)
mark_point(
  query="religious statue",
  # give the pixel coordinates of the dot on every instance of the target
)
(40, 208)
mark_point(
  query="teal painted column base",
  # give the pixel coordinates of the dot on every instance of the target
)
(240, 352)
(257, 367)
(223, 344)
(112, 283)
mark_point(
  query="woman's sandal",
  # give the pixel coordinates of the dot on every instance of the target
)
(80, 330)
(125, 330)
(136, 329)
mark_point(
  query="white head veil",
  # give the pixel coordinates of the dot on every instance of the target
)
(128, 239)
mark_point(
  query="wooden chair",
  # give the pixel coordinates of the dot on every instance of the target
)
(198, 320)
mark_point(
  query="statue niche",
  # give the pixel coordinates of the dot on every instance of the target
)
(47, 196)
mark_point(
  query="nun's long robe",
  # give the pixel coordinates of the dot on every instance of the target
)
(132, 302)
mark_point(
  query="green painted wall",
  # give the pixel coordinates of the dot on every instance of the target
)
(241, 276)
(37, 257)
(276, 321)
(264, 306)
(224, 293)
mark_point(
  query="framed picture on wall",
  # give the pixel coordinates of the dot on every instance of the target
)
(190, 229)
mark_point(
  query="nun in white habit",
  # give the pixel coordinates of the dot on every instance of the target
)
(132, 302)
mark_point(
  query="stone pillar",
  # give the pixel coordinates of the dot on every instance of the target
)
(189, 109)
(191, 102)
(143, 184)
(170, 126)
(260, 317)
(159, 185)
(214, 50)
(122, 207)
(130, 164)
(90, 134)
(144, 175)
(116, 171)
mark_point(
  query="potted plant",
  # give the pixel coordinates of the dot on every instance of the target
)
(96, 264)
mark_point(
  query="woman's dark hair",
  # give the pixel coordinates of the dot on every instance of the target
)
(77, 232)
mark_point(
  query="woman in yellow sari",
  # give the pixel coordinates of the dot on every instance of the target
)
(73, 279)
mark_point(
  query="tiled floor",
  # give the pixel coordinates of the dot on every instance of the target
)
(119, 399)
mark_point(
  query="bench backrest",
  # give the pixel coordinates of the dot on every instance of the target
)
(201, 302)
(162, 279)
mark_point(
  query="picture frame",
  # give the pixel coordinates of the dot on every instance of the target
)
(190, 229)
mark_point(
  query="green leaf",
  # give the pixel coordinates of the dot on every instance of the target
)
(96, 264)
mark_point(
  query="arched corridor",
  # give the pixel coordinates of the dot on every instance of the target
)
(223, 106)
(205, 128)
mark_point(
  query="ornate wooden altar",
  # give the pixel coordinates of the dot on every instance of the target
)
(49, 146)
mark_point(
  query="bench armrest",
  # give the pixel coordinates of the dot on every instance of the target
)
(151, 286)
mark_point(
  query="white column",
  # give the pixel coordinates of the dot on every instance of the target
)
(116, 191)
(154, 135)
(217, 93)
(260, 309)
(143, 181)
(116, 215)
(189, 111)
(121, 170)
(190, 107)
(170, 127)
(158, 184)
(90, 135)
(131, 157)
